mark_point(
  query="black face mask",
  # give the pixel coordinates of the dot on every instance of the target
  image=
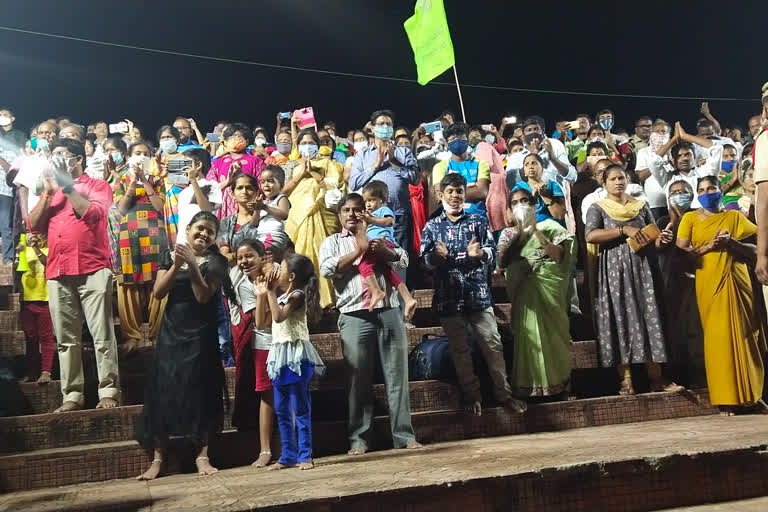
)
(531, 136)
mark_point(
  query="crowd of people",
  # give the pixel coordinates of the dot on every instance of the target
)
(230, 245)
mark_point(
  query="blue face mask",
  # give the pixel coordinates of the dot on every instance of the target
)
(728, 166)
(458, 147)
(383, 132)
(308, 150)
(117, 157)
(606, 124)
(711, 202)
(682, 201)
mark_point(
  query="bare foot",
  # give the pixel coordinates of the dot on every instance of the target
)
(515, 405)
(277, 466)
(377, 295)
(204, 467)
(475, 408)
(306, 465)
(356, 451)
(410, 309)
(413, 445)
(107, 403)
(45, 378)
(68, 406)
(264, 459)
(153, 471)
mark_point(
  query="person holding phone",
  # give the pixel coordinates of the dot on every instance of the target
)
(629, 323)
(141, 238)
(237, 159)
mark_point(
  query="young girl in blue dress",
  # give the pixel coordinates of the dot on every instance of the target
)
(292, 359)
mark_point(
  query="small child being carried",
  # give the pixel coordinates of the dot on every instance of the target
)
(271, 209)
(381, 221)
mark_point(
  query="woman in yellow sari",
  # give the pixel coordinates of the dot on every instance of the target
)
(310, 220)
(734, 339)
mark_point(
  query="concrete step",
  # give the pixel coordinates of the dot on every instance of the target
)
(121, 458)
(43, 431)
(632, 468)
(45, 398)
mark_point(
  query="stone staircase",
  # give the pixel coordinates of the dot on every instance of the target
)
(44, 450)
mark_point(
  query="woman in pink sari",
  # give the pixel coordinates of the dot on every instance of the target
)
(236, 137)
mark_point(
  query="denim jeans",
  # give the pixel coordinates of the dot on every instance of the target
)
(6, 228)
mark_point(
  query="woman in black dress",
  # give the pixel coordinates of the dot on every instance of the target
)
(184, 393)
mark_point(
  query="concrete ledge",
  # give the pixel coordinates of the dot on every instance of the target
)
(637, 467)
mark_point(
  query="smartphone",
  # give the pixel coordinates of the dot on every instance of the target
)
(285, 115)
(137, 160)
(306, 117)
(531, 137)
(432, 127)
(573, 125)
(178, 179)
(510, 119)
(120, 128)
(177, 165)
(486, 127)
(213, 137)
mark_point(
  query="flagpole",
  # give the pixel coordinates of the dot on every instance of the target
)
(461, 101)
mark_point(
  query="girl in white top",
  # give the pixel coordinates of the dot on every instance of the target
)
(273, 207)
(292, 359)
(252, 333)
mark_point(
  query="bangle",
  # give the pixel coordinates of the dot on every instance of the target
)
(549, 204)
(45, 195)
(621, 231)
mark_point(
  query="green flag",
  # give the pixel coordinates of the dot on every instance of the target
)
(430, 39)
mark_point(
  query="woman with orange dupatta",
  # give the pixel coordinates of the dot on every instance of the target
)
(734, 338)
(629, 324)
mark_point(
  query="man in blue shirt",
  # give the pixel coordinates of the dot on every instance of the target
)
(186, 130)
(395, 166)
(459, 248)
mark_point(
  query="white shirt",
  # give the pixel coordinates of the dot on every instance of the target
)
(187, 209)
(550, 172)
(666, 178)
(653, 191)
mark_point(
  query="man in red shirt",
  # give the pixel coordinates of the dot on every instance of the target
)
(72, 211)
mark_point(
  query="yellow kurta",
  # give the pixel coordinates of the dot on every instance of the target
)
(733, 338)
(310, 222)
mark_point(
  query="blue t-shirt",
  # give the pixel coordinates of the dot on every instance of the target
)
(542, 210)
(374, 232)
(469, 170)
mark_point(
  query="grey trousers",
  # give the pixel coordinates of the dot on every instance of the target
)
(487, 334)
(362, 333)
(71, 298)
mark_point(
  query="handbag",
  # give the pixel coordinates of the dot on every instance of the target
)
(333, 198)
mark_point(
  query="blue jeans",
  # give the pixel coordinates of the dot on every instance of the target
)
(6, 228)
(225, 333)
(294, 399)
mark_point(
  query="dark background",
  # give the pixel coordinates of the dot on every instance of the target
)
(665, 48)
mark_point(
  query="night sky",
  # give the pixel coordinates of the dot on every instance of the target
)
(660, 48)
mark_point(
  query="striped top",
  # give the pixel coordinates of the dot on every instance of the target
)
(352, 293)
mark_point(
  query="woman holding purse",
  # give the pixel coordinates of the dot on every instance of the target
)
(630, 327)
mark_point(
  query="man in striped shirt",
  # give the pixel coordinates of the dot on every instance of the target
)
(363, 331)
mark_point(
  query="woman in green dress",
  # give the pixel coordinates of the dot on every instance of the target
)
(538, 258)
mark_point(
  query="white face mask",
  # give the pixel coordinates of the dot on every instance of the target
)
(525, 216)
(260, 141)
(5, 121)
(451, 210)
(360, 146)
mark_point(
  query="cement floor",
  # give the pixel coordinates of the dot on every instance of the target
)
(246, 488)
